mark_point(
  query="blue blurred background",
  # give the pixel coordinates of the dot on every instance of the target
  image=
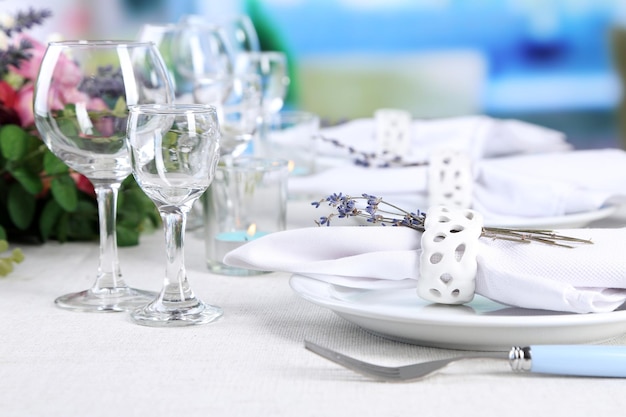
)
(550, 62)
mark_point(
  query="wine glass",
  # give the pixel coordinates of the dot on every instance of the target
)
(271, 67)
(174, 152)
(201, 51)
(190, 52)
(162, 35)
(238, 114)
(239, 29)
(80, 105)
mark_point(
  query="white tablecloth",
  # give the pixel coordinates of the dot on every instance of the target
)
(250, 363)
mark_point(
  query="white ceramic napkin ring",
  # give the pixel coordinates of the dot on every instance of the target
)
(448, 260)
(393, 131)
(450, 179)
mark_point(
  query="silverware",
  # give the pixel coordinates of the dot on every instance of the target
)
(580, 360)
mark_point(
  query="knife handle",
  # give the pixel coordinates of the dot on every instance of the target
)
(580, 360)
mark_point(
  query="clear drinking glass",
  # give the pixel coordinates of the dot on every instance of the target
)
(201, 51)
(80, 105)
(238, 114)
(240, 31)
(174, 152)
(271, 66)
(191, 52)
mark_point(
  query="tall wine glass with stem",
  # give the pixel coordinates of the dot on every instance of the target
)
(174, 152)
(238, 113)
(200, 51)
(80, 105)
(239, 29)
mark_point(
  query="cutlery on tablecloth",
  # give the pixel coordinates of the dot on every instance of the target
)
(574, 360)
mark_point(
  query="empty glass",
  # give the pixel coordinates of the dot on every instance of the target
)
(271, 66)
(240, 31)
(174, 152)
(80, 105)
(239, 113)
(191, 52)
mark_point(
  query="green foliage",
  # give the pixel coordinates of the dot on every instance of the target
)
(40, 198)
(6, 262)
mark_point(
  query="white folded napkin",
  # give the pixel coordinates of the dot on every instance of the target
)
(537, 185)
(479, 136)
(587, 278)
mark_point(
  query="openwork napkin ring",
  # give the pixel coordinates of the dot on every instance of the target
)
(393, 131)
(450, 179)
(448, 262)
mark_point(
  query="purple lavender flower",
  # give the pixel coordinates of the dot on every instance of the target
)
(26, 20)
(109, 83)
(14, 55)
(392, 215)
(347, 206)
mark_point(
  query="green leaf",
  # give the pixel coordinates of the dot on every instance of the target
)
(62, 226)
(50, 214)
(13, 143)
(34, 154)
(64, 192)
(3, 233)
(53, 165)
(28, 179)
(120, 109)
(21, 206)
(127, 236)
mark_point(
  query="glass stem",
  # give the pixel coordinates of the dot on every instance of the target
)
(176, 287)
(109, 274)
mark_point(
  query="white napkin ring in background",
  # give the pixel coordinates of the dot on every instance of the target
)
(393, 131)
(448, 262)
(450, 179)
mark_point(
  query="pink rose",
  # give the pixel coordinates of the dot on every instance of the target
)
(97, 104)
(71, 95)
(30, 68)
(24, 105)
(66, 73)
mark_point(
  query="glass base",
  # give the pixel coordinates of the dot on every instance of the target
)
(156, 314)
(223, 269)
(106, 300)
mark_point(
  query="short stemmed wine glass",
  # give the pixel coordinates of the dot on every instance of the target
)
(81, 103)
(174, 152)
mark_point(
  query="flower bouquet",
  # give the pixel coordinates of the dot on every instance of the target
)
(40, 197)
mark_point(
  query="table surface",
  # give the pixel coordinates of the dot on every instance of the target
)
(251, 362)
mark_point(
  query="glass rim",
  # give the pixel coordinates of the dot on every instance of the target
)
(171, 108)
(273, 54)
(101, 43)
(253, 163)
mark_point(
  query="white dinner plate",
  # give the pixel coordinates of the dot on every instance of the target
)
(567, 221)
(401, 315)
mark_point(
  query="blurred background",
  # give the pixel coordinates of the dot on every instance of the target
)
(552, 62)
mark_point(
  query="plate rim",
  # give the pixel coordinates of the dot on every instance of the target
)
(584, 217)
(562, 320)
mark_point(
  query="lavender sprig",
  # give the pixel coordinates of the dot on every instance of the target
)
(108, 83)
(372, 159)
(14, 55)
(26, 20)
(379, 211)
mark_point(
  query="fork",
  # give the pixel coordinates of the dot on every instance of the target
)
(580, 360)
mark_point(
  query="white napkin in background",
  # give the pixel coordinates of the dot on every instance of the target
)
(537, 185)
(479, 136)
(587, 278)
